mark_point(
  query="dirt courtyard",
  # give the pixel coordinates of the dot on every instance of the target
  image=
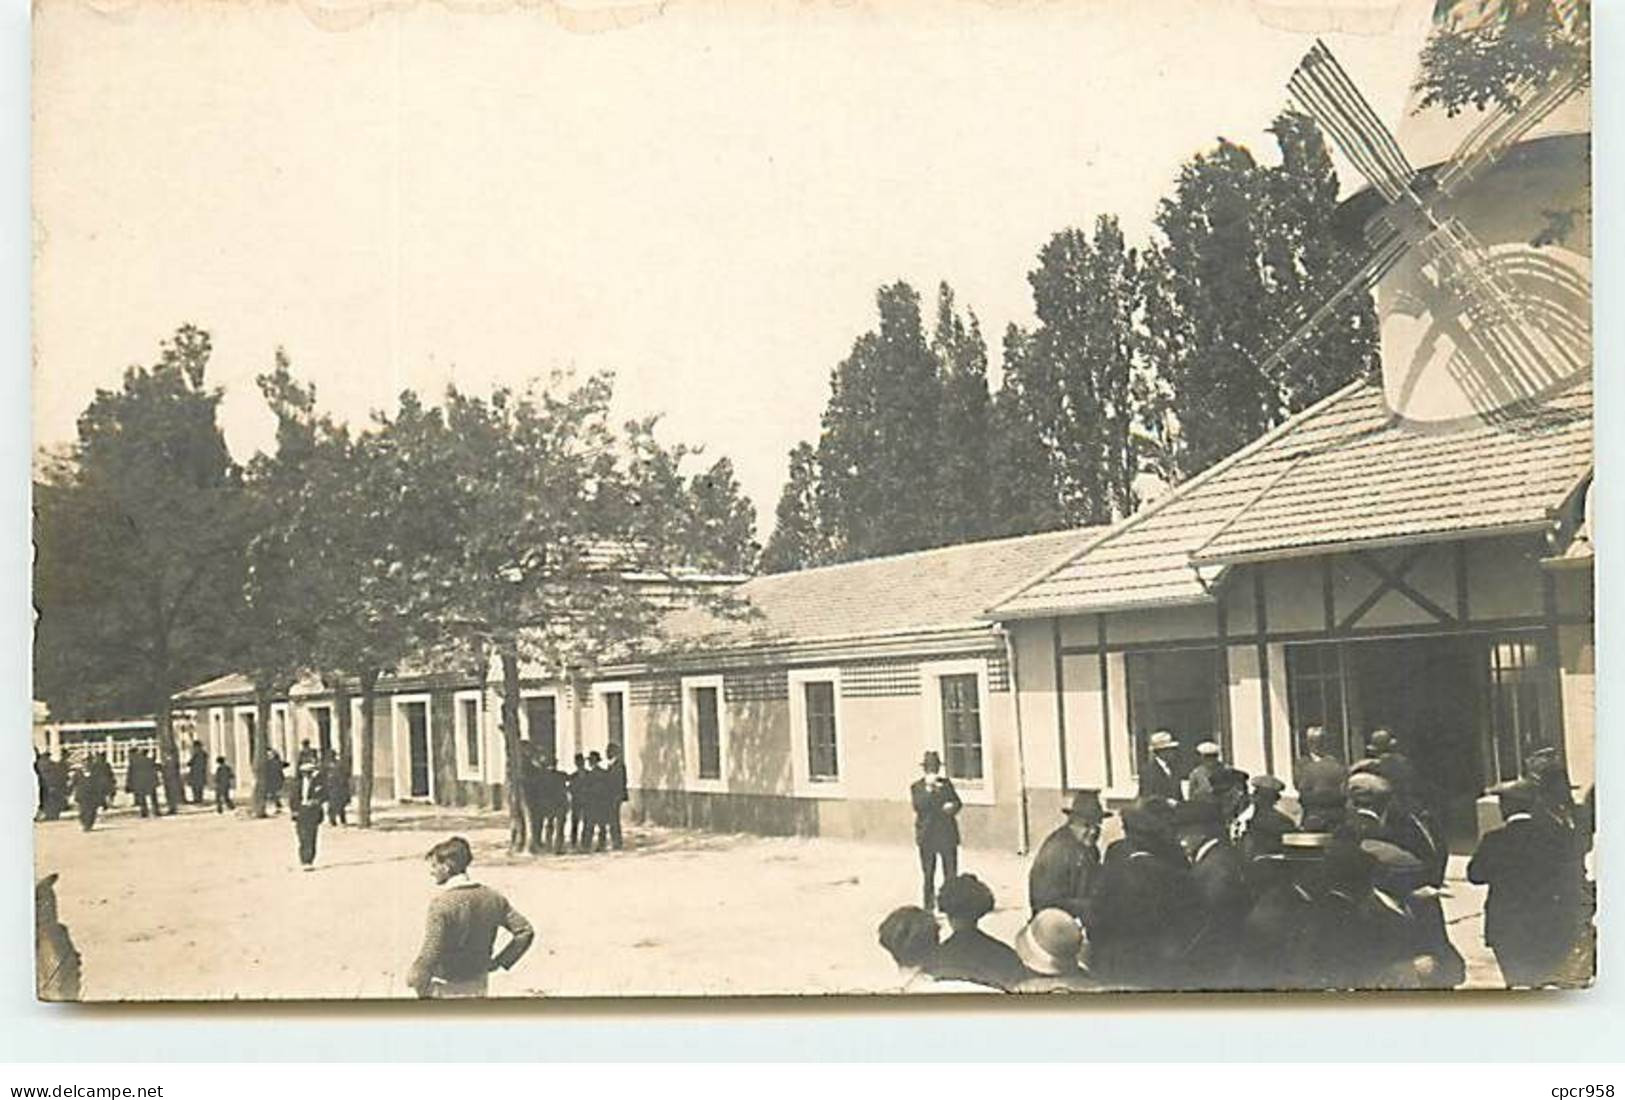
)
(202, 906)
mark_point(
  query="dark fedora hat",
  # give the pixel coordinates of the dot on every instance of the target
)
(1086, 806)
(931, 761)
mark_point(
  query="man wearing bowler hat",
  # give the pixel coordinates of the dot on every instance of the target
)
(1068, 859)
(1159, 778)
(936, 828)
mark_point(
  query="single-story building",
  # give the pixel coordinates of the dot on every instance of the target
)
(1348, 570)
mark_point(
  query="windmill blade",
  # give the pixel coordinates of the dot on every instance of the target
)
(1377, 263)
(1506, 126)
(1504, 331)
(1324, 90)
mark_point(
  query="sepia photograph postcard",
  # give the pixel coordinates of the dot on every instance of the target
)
(703, 499)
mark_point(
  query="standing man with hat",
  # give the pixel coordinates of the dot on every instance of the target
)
(1068, 859)
(936, 825)
(1222, 897)
(1321, 779)
(1534, 913)
(1159, 778)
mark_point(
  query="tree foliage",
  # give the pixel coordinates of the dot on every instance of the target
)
(139, 533)
(1075, 369)
(1490, 61)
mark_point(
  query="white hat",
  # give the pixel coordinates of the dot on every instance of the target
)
(1207, 748)
(1162, 739)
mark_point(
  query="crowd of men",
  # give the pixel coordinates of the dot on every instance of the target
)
(581, 809)
(1214, 885)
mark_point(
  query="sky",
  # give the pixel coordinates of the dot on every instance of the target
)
(700, 197)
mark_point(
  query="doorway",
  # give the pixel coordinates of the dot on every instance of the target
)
(542, 724)
(412, 769)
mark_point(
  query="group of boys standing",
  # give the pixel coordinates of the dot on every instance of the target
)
(1214, 886)
(583, 805)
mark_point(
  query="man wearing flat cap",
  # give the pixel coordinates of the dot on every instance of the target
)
(936, 825)
(1068, 859)
(1160, 776)
(1263, 823)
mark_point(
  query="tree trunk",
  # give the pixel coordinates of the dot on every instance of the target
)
(513, 779)
(259, 746)
(369, 689)
(169, 760)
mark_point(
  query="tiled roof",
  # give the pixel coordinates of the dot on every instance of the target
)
(929, 590)
(1344, 471)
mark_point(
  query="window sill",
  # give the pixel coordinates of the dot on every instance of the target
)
(979, 793)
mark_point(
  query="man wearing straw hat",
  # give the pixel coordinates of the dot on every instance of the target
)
(936, 830)
(1068, 859)
(1159, 778)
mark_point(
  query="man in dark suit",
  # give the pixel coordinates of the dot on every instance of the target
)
(307, 803)
(1219, 883)
(1160, 776)
(197, 772)
(576, 782)
(615, 793)
(1320, 778)
(1068, 859)
(1142, 904)
(936, 825)
(141, 780)
(1533, 915)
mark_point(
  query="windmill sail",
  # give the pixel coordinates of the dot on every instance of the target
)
(1471, 320)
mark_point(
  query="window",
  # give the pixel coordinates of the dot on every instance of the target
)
(815, 731)
(217, 733)
(609, 699)
(705, 733)
(1176, 690)
(1315, 695)
(322, 718)
(708, 731)
(961, 726)
(957, 724)
(1515, 721)
(468, 732)
(822, 758)
(614, 718)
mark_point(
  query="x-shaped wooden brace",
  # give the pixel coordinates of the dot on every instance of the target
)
(1393, 580)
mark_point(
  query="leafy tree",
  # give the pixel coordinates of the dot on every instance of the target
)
(1484, 61)
(560, 521)
(1026, 501)
(1246, 251)
(282, 592)
(1075, 368)
(964, 476)
(878, 454)
(724, 522)
(140, 531)
(799, 539)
